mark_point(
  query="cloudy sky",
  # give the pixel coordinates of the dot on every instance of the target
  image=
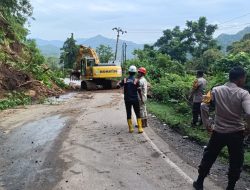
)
(144, 20)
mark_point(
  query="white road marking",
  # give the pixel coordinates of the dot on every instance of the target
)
(167, 160)
(164, 156)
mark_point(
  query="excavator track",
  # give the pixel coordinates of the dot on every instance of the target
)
(88, 85)
(98, 84)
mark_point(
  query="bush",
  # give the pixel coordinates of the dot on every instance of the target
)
(173, 88)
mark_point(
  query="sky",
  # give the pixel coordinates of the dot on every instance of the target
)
(144, 20)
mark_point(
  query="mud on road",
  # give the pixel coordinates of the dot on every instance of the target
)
(81, 141)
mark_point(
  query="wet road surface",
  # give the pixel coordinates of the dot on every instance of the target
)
(81, 141)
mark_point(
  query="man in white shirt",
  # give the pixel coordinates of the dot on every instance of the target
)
(142, 91)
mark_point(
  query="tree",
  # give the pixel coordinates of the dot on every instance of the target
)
(105, 53)
(240, 46)
(148, 53)
(69, 52)
(225, 64)
(207, 60)
(195, 39)
(15, 13)
(171, 43)
(199, 36)
(20, 9)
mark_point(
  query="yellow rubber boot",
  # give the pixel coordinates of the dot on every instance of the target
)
(130, 125)
(139, 123)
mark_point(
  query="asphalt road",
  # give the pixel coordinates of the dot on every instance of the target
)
(81, 142)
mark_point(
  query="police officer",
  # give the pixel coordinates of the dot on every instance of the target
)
(230, 101)
(131, 98)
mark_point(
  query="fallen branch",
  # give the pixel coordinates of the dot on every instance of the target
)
(28, 82)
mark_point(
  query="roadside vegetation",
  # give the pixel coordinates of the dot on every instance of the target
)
(172, 62)
(25, 74)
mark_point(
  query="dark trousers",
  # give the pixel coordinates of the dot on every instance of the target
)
(234, 142)
(136, 107)
(196, 112)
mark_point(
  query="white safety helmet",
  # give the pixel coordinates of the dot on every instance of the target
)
(132, 69)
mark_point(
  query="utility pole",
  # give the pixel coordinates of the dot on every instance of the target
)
(124, 56)
(125, 53)
(118, 30)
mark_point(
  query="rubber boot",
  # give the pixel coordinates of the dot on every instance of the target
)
(139, 123)
(130, 126)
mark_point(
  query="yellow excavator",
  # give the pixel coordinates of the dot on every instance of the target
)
(92, 73)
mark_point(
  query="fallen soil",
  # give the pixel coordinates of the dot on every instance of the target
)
(192, 153)
(12, 79)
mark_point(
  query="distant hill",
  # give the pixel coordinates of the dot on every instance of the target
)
(52, 48)
(49, 50)
(225, 40)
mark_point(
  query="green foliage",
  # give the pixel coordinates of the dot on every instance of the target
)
(171, 43)
(217, 79)
(20, 53)
(14, 99)
(53, 63)
(241, 46)
(17, 32)
(14, 13)
(195, 39)
(69, 52)
(156, 63)
(20, 9)
(228, 62)
(34, 55)
(105, 53)
(173, 88)
(207, 60)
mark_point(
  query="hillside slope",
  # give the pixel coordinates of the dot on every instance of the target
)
(225, 40)
(22, 67)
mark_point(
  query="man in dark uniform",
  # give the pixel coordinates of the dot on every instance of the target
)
(131, 99)
(231, 102)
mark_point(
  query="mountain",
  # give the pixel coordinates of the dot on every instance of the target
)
(52, 48)
(56, 43)
(225, 40)
(49, 50)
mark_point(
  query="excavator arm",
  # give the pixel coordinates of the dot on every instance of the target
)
(83, 52)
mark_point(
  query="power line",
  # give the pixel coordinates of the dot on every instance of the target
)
(235, 18)
(234, 26)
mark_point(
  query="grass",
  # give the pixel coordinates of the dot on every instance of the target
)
(178, 121)
(181, 123)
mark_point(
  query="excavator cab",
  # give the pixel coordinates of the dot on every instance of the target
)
(87, 65)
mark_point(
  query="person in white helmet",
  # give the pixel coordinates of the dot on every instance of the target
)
(131, 98)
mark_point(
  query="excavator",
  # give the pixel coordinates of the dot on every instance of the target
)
(92, 73)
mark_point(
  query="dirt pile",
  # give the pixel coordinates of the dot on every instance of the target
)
(12, 79)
